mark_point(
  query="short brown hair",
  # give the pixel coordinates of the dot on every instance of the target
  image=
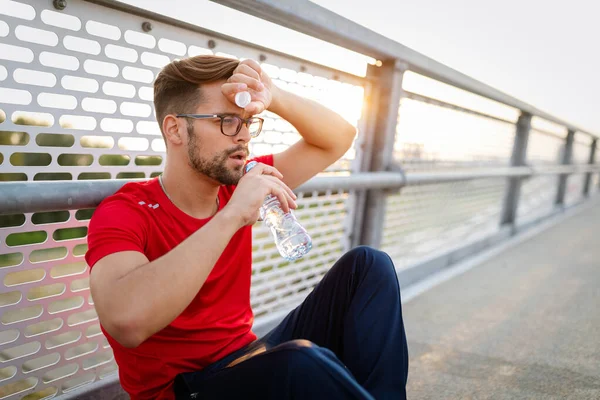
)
(177, 86)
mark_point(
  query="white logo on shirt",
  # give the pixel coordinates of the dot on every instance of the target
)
(154, 206)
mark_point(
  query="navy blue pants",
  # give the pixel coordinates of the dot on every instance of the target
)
(345, 341)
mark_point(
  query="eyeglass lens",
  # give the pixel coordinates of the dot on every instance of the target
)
(231, 125)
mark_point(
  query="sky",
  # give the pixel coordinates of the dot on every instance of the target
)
(544, 52)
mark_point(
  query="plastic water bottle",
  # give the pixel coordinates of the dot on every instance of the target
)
(290, 237)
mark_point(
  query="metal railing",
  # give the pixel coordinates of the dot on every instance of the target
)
(23, 197)
(90, 128)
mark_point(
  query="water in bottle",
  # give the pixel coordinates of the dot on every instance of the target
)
(290, 237)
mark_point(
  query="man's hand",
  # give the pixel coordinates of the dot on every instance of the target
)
(250, 193)
(250, 77)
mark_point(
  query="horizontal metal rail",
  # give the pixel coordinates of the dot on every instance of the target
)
(425, 178)
(566, 169)
(27, 197)
(314, 20)
(147, 14)
(444, 104)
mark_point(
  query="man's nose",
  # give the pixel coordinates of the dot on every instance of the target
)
(243, 135)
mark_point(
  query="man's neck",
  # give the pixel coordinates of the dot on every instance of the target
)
(191, 192)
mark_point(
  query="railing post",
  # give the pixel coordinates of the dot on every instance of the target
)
(566, 160)
(518, 159)
(378, 148)
(588, 176)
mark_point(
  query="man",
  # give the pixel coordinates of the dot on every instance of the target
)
(170, 258)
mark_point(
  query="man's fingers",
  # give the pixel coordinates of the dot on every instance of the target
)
(275, 177)
(251, 66)
(263, 169)
(230, 89)
(287, 189)
(251, 82)
(291, 203)
(255, 107)
(288, 192)
(278, 192)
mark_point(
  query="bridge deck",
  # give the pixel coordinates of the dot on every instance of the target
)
(523, 325)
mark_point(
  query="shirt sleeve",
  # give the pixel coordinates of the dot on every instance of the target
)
(118, 224)
(268, 159)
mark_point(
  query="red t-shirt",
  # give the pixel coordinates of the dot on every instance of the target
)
(140, 217)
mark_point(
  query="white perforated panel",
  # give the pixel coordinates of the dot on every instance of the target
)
(576, 182)
(538, 194)
(431, 137)
(544, 149)
(428, 220)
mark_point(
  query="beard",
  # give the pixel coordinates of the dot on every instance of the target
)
(215, 168)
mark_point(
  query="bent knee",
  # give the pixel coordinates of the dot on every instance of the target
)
(366, 252)
(304, 354)
(295, 344)
(376, 261)
(314, 370)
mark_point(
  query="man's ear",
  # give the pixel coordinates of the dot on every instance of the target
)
(170, 128)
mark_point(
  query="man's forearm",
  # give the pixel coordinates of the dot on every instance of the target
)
(318, 125)
(155, 293)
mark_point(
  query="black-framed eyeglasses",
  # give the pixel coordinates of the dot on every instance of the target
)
(231, 124)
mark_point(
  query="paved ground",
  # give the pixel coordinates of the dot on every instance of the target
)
(525, 325)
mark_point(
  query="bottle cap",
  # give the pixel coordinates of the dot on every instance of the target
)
(242, 99)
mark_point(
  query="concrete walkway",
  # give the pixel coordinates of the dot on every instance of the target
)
(524, 325)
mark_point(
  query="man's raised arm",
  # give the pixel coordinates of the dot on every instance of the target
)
(326, 136)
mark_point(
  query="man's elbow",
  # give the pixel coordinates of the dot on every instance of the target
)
(349, 133)
(129, 341)
(125, 332)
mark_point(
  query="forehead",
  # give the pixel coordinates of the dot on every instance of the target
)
(213, 100)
